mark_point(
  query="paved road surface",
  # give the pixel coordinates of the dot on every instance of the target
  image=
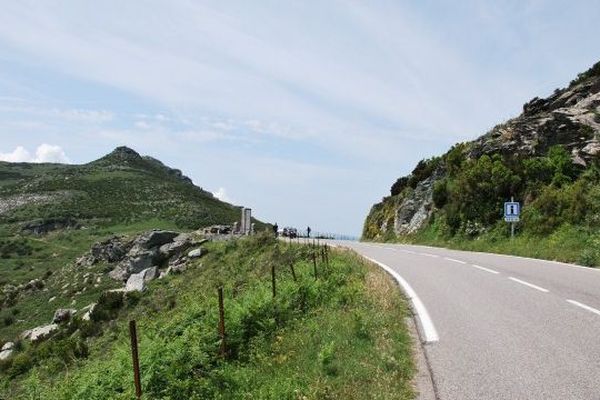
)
(502, 327)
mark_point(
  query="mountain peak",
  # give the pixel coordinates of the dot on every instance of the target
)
(124, 153)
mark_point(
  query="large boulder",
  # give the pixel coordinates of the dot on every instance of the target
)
(39, 333)
(137, 282)
(156, 238)
(181, 243)
(138, 259)
(63, 315)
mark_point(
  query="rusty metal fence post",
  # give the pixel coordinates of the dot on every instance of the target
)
(135, 359)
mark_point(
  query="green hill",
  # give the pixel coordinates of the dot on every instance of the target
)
(547, 158)
(122, 187)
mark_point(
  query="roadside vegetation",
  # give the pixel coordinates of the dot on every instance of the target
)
(560, 215)
(339, 336)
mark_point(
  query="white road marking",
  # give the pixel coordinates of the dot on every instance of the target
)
(485, 269)
(585, 307)
(429, 330)
(531, 285)
(429, 255)
(454, 260)
(407, 251)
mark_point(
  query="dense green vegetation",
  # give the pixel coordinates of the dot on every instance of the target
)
(339, 336)
(560, 200)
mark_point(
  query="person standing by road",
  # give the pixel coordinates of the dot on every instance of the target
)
(308, 231)
(276, 229)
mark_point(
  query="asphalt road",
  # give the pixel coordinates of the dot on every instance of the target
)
(501, 327)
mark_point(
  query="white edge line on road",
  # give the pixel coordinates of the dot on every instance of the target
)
(429, 330)
(485, 269)
(454, 260)
(585, 307)
(540, 260)
(531, 285)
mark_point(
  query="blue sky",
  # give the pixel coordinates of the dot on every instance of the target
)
(306, 111)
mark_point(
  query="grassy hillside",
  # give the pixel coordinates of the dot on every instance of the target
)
(548, 159)
(339, 336)
(120, 188)
(122, 193)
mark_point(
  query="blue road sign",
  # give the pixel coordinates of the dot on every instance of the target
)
(512, 210)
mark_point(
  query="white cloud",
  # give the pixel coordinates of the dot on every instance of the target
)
(50, 153)
(20, 154)
(45, 153)
(221, 194)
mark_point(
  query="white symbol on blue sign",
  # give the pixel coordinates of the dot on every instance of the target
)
(512, 210)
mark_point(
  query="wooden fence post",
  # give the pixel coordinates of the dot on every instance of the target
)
(273, 283)
(135, 359)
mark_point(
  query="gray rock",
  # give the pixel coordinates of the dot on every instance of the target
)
(175, 248)
(111, 250)
(592, 148)
(89, 309)
(416, 208)
(137, 282)
(8, 346)
(196, 253)
(138, 259)
(155, 239)
(63, 315)
(39, 333)
(4, 354)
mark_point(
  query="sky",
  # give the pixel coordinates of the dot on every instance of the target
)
(304, 111)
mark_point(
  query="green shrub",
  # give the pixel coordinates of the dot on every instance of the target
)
(589, 257)
(398, 186)
(8, 320)
(107, 307)
(440, 193)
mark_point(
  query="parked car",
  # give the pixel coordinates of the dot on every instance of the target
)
(292, 233)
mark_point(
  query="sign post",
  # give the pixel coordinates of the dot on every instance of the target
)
(512, 211)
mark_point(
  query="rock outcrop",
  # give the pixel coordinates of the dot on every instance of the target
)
(137, 282)
(40, 332)
(44, 226)
(416, 208)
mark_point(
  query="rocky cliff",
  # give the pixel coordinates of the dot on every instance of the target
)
(523, 155)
